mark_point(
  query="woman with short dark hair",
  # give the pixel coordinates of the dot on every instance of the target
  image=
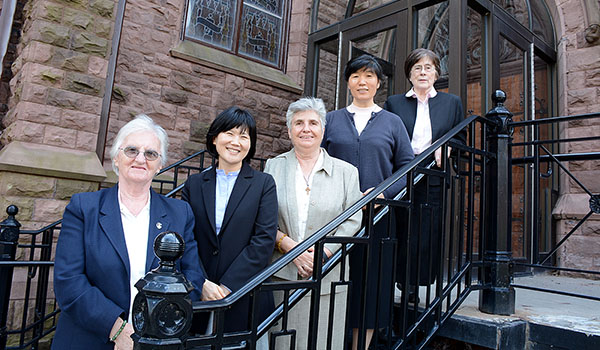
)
(375, 141)
(235, 208)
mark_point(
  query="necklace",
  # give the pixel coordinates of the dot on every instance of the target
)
(307, 189)
(307, 178)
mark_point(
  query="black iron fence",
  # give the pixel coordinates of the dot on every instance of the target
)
(462, 207)
(548, 158)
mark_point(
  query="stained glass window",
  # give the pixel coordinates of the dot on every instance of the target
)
(258, 33)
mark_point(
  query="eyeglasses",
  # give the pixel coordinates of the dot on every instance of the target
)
(426, 68)
(132, 152)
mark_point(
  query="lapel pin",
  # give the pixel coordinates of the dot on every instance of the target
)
(158, 225)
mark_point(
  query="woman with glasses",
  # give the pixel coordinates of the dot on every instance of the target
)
(428, 114)
(236, 218)
(106, 244)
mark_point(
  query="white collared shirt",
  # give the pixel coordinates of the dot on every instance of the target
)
(136, 230)
(362, 116)
(302, 196)
(422, 134)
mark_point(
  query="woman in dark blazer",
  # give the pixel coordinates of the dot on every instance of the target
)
(428, 115)
(106, 244)
(236, 215)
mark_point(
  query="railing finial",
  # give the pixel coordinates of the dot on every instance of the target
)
(162, 309)
(9, 227)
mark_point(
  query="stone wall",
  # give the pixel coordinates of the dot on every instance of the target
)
(579, 92)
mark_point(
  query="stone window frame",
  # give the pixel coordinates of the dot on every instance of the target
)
(198, 53)
(285, 29)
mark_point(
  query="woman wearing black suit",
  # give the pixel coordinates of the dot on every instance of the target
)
(235, 208)
(427, 115)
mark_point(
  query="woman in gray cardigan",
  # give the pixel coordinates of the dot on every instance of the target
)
(312, 189)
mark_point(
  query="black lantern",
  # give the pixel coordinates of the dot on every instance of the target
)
(162, 309)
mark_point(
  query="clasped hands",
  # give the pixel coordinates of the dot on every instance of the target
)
(304, 262)
(213, 291)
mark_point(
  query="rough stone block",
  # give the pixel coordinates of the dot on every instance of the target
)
(187, 82)
(65, 188)
(191, 147)
(583, 97)
(32, 93)
(156, 74)
(86, 141)
(25, 204)
(43, 75)
(39, 52)
(172, 63)
(97, 66)
(182, 125)
(70, 60)
(24, 185)
(51, 11)
(136, 80)
(186, 113)
(592, 77)
(77, 18)
(89, 43)
(57, 136)
(173, 96)
(37, 113)
(23, 131)
(51, 33)
(198, 130)
(103, 27)
(102, 7)
(83, 84)
(48, 210)
(75, 3)
(80, 121)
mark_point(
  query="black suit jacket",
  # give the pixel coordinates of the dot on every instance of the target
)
(445, 112)
(245, 243)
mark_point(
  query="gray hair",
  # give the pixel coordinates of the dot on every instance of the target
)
(141, 122)
(306, 104)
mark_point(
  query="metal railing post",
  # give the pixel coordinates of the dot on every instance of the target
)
(9, 236)
(497, 296)
(162, 309)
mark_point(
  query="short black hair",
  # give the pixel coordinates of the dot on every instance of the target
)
(232, 118)
(364, 61)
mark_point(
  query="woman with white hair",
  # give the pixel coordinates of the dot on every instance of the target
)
(106, 244)
(312, 189)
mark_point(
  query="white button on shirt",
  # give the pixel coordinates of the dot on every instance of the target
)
(136, 230)
(422, 134)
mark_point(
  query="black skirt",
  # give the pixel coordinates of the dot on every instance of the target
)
(379, 278)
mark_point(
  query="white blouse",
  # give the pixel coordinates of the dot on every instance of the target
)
(136, 230)
(422, 134)
(303, 196)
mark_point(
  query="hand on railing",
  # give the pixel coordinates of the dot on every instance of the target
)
(212, 291)
(438, 156)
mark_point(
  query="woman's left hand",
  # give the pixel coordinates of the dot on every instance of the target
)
(438, 156)
(124, 341)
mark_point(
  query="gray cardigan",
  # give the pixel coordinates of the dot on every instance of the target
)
(335, 188)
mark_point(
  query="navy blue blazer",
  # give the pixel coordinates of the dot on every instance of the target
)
(245, 242)
(91, 271)
(445, 112)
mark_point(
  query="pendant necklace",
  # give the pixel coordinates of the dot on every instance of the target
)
(307, 179)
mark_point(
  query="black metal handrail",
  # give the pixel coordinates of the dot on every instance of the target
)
(259, 281)
(541, 154)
